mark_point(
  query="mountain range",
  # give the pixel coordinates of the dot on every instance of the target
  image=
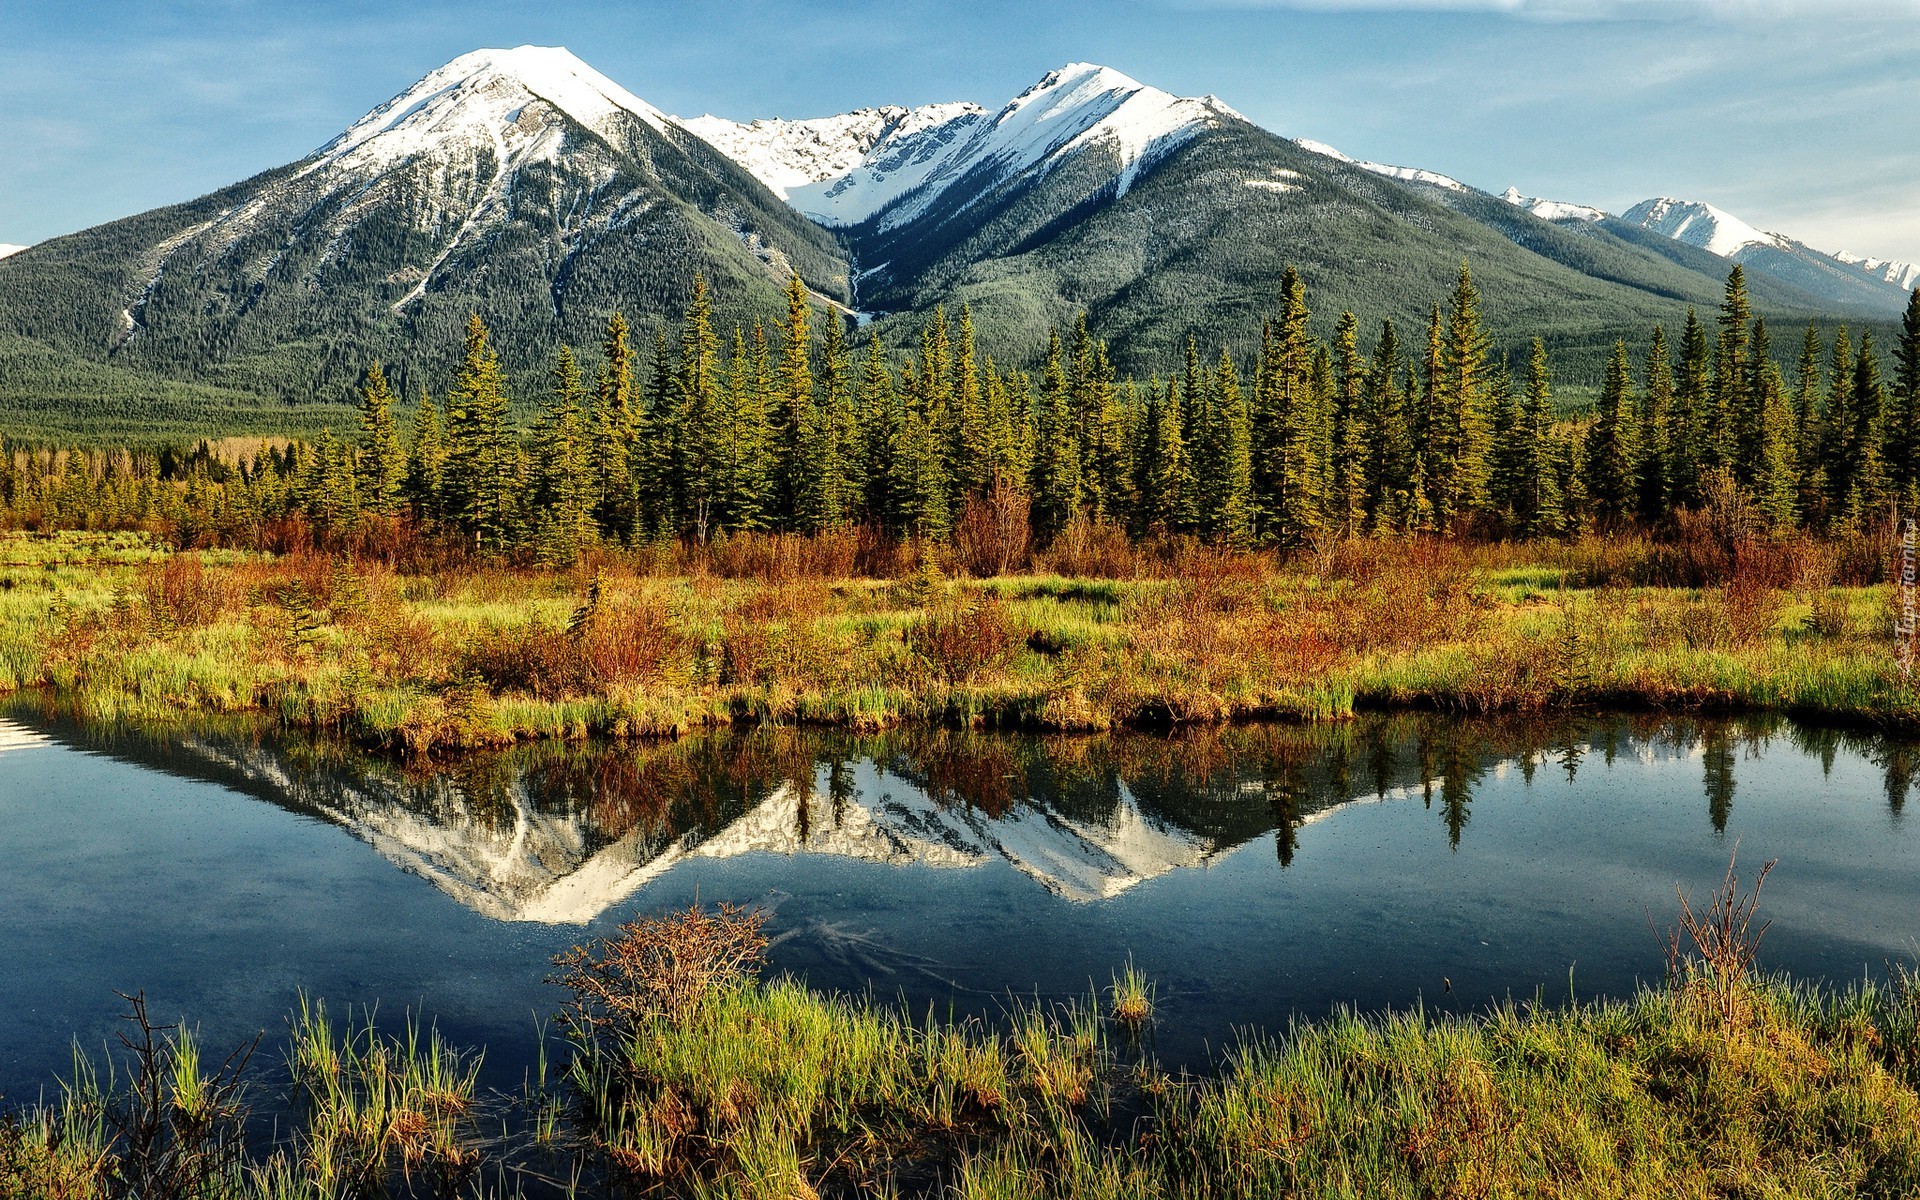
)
(524, 185)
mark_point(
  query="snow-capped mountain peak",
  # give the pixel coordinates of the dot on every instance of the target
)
(485, 94)
(1698, 223)
(7, 248)
(849, 169)
(1899, 274)
(1552, 210)
(785, 154)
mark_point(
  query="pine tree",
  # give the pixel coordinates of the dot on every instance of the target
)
(1234, 521)
(482, 475)
(426, 460)
(840, 482)
(1837, 450)
(564, 483)
(1866, 464)
(798, 451)
(614, 431)
(1056, 470)
(1693, 404)
(1903, 425)
(1458, 431)
(1807, 422)
(1612, 446)
(970, 445)
(1732, 425)
(1349, 428)
(699, 414)
(1290, 434)
(879, 421)
(1776, 480)
(1393, 456)
(1539, 476)
(382, 462)
(1656, 431)
(651, 463)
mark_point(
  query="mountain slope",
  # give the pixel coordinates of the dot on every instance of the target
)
(517, 183)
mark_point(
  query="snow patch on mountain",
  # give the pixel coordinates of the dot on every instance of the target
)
(786, 154)
(1700, 224)
(1387, 170)
(1899, 274)
(1079, 106)
(8, 248)
(1552, 210)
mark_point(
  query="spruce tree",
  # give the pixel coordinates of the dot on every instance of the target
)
(482, 479)
(878, 413)
(1808, 419)
(1612, 446)
(698, 418)
(1731, 427)
(382, 461)
(1837, 449)
(1350, 485)
(1776, 480)
(1235, 519)
(840, 456)
(564, 483)
(614, 431)
(1539, 479)
(1458, 430)
(797, 451)
(1656, 431)
(1055, 474)
(1393, 457)
(426, 460)
(1903, 424)
(1866, 470)
(1688, 445)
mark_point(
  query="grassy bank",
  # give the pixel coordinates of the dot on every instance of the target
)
(684, 1075)
(827, 630)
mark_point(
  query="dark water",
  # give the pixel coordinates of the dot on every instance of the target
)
(1255, 874)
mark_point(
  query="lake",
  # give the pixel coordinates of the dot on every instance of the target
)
(1256, 874)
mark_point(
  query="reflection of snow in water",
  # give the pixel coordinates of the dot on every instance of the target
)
(526, 864)
(18, 737)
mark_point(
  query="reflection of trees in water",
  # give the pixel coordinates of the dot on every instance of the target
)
(1223, 786)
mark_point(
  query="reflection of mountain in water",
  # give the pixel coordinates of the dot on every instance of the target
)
(560, 834)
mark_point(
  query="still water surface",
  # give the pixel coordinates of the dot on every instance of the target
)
(1256, 874)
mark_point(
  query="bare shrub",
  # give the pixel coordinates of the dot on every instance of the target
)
(961, 639)
(1831, 616)
(177, 1130)
(179, 592)
(993, 533)
(1092, 549)
(658, 967)
(1711, 951)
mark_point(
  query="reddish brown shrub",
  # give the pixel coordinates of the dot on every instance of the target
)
(993, 534)
(961, 639)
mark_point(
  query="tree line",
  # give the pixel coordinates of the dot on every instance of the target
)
(796, 429)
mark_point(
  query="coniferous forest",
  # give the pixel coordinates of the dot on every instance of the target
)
(805, 427)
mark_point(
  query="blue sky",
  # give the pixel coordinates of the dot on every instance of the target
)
(1798, 116)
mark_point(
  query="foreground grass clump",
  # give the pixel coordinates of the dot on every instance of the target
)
(688, 1076)
(664, 640)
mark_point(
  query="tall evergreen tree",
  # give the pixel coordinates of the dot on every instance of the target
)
(1731, 428)
(1903, 425)
(564, 484)
(614, 431)
(1539, 481)
(1393, 457)
(1656, 430)
(1055, 474)
(698, 450)
(1776, 479)
(1612, 446)
(1350, 485)
(1807, 421)
(799, 453)
(482, 477)
(426, 460)
(382, 461)
(1234, 520)
(1459, 431)
(1688, 445)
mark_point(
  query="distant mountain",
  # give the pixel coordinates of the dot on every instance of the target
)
(1841, 280)
(8, 248)
(526, 186)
